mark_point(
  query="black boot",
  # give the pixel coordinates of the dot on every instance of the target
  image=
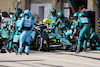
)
(3, 51)
(27, 53)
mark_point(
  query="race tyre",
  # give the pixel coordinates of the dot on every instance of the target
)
(42, 43)
(39, 42)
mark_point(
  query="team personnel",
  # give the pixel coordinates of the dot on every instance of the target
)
(84, 32)
(26, 25)
(53, 18)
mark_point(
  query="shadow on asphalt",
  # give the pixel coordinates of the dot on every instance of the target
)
(93, 52)
(18, 60)
(4, 66)
(46, 65)
(58, 52)
(78, 55)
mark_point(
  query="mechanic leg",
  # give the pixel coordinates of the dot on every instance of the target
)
(10, 45)
(22, 40)
(21, 48)
(81, 36)
(27, 43)
(5, 45)
(27, 47)
(79, 44)
(85, 44)
(56, 31)
(87, 36)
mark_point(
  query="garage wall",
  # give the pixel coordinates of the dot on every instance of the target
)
(7, 5)
(93, 5)
(96, 9)
(47, 8)
(34, 8)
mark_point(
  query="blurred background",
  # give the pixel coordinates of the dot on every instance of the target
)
(40, 9)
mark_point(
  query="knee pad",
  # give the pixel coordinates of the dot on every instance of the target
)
(27, 44)
(23, 44)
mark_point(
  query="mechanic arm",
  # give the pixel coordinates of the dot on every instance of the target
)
(22, 23)
(32, 24)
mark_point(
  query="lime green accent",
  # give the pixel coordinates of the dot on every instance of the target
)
(50, 37)
(46, 21)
